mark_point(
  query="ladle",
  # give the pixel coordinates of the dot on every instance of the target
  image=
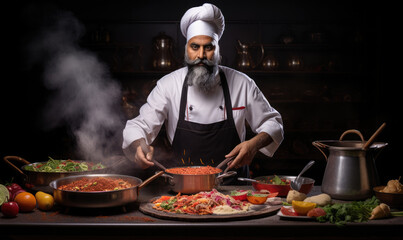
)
(372, 138)
(296, 183)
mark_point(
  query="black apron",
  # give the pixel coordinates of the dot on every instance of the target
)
(196, 144)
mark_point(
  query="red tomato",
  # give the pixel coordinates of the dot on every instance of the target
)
(316, 212)
(10, 209)
(288, 211)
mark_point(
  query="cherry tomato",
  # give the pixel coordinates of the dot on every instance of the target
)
(10, 209)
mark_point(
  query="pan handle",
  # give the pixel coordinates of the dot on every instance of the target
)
(7, 159)
(352, 131)
(148, 180)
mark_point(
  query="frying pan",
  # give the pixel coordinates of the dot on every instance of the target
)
(99, 199)
(41, 180)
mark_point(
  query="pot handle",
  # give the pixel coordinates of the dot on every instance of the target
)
(320, 146)
(148, 180)
(352, 131)
(224, 175)
(7, 159)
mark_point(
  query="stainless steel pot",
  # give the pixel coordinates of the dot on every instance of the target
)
(41, 180)
(99, 199)
(189, 184)
(350, 172)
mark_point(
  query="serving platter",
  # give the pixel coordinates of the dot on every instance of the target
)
(256, 211)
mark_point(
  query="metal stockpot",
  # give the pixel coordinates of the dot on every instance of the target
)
(350, 172)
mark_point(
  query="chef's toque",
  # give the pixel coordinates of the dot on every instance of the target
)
(204, 20)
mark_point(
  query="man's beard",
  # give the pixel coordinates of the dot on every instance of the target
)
(202, 76)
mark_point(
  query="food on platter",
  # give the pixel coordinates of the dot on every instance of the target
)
(316, 212)
(96, 184)
(302, 208)
(53, 165)
(393, 186)
(321, 199)
(201, 170)
(239, 194)
(202, 203)
(295, 195)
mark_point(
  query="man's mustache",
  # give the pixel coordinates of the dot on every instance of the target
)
(204, 61)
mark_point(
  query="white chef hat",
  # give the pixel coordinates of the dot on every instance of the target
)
(204, 20)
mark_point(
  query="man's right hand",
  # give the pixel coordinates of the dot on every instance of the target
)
(144, 155)
(140, 153)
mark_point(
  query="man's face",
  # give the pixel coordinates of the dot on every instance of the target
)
(200, 47)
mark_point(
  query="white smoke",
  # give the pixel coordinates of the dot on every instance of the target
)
(84, 96)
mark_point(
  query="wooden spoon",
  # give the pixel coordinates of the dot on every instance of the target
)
(372, 138)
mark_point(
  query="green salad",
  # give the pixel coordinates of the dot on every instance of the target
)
(53, 165)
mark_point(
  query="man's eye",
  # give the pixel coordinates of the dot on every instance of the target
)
(194, 46)
(209, 47)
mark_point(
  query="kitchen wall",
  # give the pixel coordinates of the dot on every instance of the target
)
(340, 85)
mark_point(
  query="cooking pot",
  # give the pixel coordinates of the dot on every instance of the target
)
(192, 183)
(99, 199)
(350, 172)
(40, 180)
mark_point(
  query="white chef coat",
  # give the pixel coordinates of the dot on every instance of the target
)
(248, 103)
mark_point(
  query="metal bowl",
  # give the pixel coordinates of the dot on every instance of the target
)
(98, 199)
(393, 200)
(307, 184)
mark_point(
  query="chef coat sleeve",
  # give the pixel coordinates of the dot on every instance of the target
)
(262, 117)
(150, 119)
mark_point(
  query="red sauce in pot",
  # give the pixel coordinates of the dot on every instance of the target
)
(204, 170)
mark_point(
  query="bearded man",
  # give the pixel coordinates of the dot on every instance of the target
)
(204, 107)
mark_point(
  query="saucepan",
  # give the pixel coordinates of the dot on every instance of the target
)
(194, 183)
(263, 183)
(99, 199)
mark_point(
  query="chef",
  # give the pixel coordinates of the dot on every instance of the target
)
(204, 106)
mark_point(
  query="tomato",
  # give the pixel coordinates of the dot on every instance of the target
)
(26, 201)
(272, 195)
(45, 201)
(10, 209)
(288, 211)
(316, 212)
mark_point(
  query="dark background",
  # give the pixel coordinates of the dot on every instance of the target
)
(319, 102)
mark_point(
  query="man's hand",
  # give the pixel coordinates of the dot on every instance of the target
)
(140, 153)
(246, 151)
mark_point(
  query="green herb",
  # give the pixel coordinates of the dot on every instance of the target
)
(168, 205)
(356, 211)
(53, 165)
(277, 180)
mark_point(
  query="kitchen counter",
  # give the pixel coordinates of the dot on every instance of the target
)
(129, 222)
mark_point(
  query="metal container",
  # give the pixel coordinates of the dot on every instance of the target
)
(98, 199)
(350, 172)
(41, 180)
(195, 183)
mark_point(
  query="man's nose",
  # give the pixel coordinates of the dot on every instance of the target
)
(201, 54)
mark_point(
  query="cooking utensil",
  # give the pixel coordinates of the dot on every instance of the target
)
(261, 183)
(372, 138)
(41, 180)
(297, 182)
(350, 172)
(195, 183)
(99, 199)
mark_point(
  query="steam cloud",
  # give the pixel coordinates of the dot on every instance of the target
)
(84, 96)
